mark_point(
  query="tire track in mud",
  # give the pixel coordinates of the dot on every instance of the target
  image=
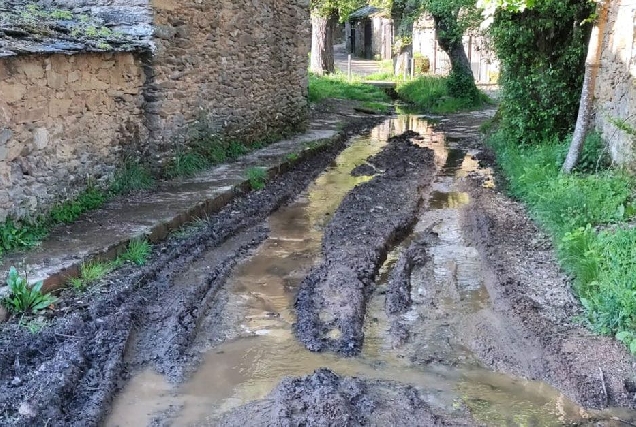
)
(331, 301)
(67, 374)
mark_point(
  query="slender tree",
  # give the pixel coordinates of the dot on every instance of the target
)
(324, 17)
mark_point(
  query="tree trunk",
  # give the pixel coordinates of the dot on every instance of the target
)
(322, 45)
(449, 38)
(589, 83)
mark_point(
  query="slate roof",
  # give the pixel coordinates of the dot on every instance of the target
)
(72, 26)
(367, 12)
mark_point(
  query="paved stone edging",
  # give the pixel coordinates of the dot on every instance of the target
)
(105, 233)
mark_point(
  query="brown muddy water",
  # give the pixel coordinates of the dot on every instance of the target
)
(261, 349)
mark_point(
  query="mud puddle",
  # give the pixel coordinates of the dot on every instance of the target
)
(261, 348)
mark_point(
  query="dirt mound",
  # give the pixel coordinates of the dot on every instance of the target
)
(331, 301)
(325, 399)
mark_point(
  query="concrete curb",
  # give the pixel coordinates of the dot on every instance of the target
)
(51, 263)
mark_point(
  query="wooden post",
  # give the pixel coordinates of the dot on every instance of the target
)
(349, 66)
(406, 64)
(412, 67)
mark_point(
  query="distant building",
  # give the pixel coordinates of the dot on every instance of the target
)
(370, 33)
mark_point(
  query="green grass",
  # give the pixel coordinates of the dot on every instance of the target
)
(132, 176)
(590, 216)
(337, 86)
(256, 177)
(431, 94)
(379, 107)
(137, 253)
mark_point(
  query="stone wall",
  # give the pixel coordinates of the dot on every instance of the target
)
(615, 92)
(63, 121)
(239, 64)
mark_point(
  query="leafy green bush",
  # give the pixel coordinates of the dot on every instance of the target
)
(25, 298)
(542, 53)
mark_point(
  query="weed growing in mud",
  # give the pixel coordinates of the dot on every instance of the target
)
(589, 216)
(137, 253)
(292, 157)
(191, 229)
(24, 298)
(256, 177)
(90, 272)
(432, 94)
(34, 326)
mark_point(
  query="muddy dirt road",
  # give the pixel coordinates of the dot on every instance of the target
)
(385, 281)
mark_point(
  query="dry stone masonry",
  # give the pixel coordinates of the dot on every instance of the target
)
(615, 94)
(97, 81)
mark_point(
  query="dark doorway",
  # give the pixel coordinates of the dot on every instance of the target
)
(368, 39)
(353, 39)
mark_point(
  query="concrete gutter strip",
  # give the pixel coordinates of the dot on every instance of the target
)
(105, 233)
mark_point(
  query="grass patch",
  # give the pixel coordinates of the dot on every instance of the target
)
(431, 94)
(257, 177)
(337, 86)
(137, 253)
(378, 107)
(590, 216)
(131, 177)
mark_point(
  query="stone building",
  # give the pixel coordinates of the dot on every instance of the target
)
(615, 91)
(483, 61)
(86, 83)
(369, 33)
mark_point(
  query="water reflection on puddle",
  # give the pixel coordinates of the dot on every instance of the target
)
(262, 294)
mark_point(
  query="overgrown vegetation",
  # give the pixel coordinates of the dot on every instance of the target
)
(432, 94)
(542, 54)
(25, 298)
(257, 177)
(590, 216)
(337, 86)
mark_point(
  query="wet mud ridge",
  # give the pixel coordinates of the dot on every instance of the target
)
(326, 399)
(68, 374)
(331, 302)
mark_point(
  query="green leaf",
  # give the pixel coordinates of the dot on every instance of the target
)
(624, 336)
(632, 347)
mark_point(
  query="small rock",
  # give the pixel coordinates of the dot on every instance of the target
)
(4, 292)
(16, 381)
(4, 314)
(26, 410)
